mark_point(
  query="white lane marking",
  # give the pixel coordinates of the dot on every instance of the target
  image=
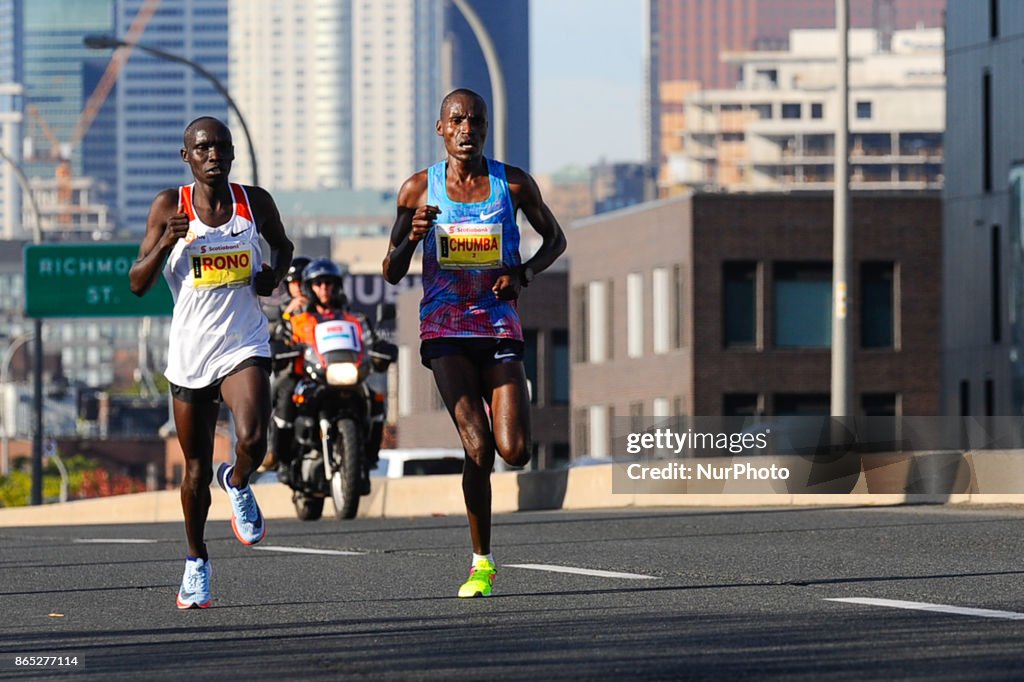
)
(115, 541)
(308, 550)
(582, 571)
(939, 608)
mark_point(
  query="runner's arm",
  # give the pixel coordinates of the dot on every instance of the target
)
(415, 218)
(166, 224)
(527, 197)
(272, 230)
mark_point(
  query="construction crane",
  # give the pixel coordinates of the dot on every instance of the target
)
(61, 153)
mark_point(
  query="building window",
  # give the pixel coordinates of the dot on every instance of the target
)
(863, 110)
(986, 132)
(803, 305)
(560, 367)
(993, 18)
(741, 405)
(582, 323)
(965, 398)
(879, 404)
(802, 404)
(791, 110)
(530, 354)
(635, 315)
(739, 300)
(996, 287)
(763, 111)
(636, 416)
(878, 294)
(990, 398)
(599, 333)
(664, 310)
(404, 380)
(817, 110)
(559, 457)
(678, 332)
(600, 422)
(661, 408)
(581, 429)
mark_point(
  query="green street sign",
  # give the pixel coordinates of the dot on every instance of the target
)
(87, 280)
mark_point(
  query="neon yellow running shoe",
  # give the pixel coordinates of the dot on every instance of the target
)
(481, 578)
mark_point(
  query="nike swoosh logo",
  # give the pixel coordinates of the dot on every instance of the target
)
(488, 216)
(504, 356)
(235, 234)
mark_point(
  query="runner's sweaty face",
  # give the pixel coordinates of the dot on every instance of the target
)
(463, 126)
(209, 152)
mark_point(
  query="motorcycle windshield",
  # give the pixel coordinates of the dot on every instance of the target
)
(339, 341)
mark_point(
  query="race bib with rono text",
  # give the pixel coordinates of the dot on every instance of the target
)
(221, 265)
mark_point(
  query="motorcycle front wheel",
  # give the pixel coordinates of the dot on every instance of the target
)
(308, 508)
(345, 480)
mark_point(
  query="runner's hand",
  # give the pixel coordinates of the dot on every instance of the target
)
(176, 228)
(422, 221)
(506, 287)
(264, 281)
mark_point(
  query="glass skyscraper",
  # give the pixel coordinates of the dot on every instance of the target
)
(156, 99)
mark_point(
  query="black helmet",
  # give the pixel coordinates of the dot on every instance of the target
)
(321, 268)
(295, 269)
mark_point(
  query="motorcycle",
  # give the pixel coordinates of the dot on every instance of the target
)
(341, 401)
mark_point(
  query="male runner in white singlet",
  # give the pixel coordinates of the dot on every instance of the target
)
(205, 238)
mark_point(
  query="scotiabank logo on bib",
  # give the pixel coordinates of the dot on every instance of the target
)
(468, 246)
(222, 269)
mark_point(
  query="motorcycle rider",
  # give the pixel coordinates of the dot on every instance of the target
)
(283, 382)
(322, 286)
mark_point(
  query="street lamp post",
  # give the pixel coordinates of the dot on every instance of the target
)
(494, 72)
(110, 42)
(37, 346)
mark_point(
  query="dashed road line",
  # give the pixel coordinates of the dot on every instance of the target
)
(582, 571)
(308, 550)
(936, 608)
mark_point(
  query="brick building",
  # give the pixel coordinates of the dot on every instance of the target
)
(715, 304)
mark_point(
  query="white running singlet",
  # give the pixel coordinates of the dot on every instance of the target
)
(217, 320)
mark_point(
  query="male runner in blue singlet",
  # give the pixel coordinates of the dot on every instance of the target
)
(463, 209)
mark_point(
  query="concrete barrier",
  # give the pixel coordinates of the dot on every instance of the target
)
(984, 478)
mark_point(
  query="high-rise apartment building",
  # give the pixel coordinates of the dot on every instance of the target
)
(291, 75)
(10, 114)
(385, 119)
(983, 212)
(46, 78)
(686, 39)
(156, 99)
(357, 85)
(776, 129)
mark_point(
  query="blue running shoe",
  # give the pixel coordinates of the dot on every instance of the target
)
(195, 585)
(246, 519)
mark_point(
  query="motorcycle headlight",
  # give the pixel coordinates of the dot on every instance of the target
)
(342, 374)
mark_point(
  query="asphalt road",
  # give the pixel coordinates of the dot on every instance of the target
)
(714, 594)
